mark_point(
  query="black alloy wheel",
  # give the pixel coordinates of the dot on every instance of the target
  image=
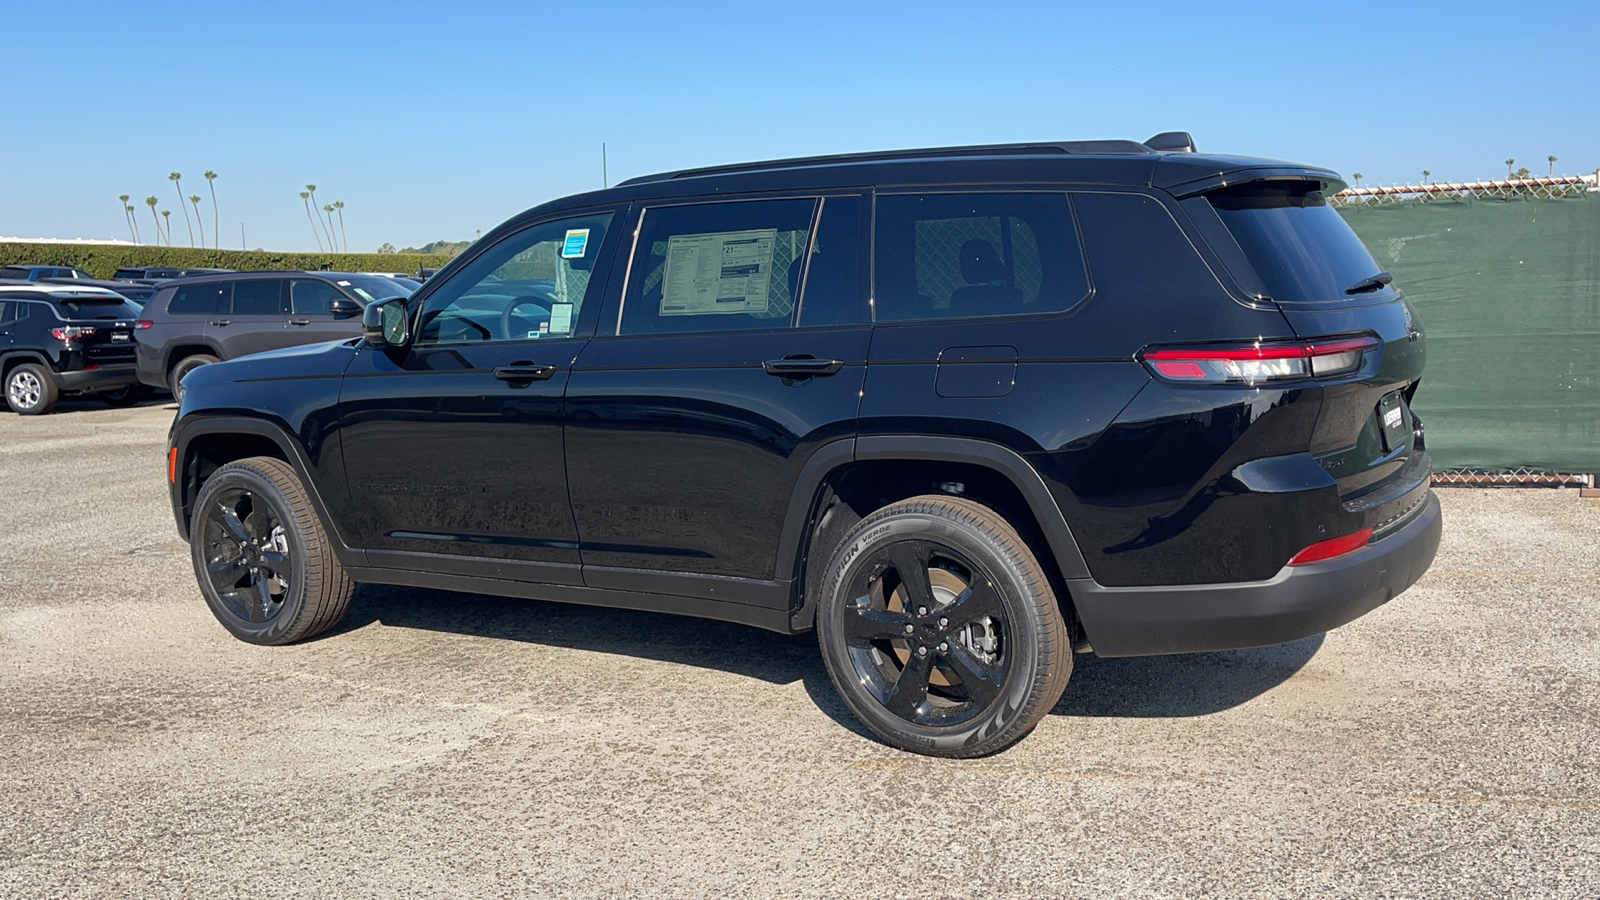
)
(264, 563)
(927, 633)
(940, 629)
(247, 555)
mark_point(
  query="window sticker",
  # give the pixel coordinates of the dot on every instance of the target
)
(721, 272)
(576, 243)
(560, 318)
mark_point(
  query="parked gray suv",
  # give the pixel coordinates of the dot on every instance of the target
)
(194, 321)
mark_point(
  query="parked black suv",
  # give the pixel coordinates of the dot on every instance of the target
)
(138, 293)
(194, 321)
(56, 339)
(963, 411)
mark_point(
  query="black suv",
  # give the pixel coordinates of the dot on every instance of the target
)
(962, 411)
(57, 339)
(194, 321)
(151, 275)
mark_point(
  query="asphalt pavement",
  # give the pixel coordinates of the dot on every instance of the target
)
(439, 744)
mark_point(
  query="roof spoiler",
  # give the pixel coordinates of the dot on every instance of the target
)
(1171, 142)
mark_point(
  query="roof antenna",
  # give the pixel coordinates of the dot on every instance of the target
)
(1171, 142)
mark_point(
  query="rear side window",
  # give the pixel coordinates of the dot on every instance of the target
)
(717, 267)
(1302, 249)
(16, 272)
(200, 299)
(959, 255)
(258, 298)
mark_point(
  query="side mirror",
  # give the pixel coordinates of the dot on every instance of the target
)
(384, 323)
(343, 306)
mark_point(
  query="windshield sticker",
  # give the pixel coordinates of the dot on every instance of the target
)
(723, 272)
(576, 243)
(560, 318)
(343, 283)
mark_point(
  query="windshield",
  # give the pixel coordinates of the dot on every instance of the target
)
(108, 309)
(371, 288)
(1298, 244)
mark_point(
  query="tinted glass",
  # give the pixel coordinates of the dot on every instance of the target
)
(309, 296)
(957, 255)
(100, 309)
(1299, 245)
(532, 285)
(717, 267)
(372, 287)
(199, 299)
(8, 314)
(16, 272)
(835, 289)
(258, 298)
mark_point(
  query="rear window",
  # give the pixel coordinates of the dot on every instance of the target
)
(98, 308)
(959, 255)
(200, 299)
(1299, 245)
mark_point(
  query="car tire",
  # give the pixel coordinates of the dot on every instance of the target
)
(185, 366)
(261, 556)
(29, 390)
(963, 661)
(125, 396)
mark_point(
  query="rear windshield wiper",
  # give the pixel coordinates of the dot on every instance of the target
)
(1367, 285)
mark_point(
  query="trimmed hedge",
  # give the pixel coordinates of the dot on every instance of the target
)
(103, 260)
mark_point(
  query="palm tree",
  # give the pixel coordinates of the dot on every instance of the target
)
(167, 215)
(132, 218)
(1425, 174)
(1357, 177)
(328, 209)
(151, 202)
(312, 190)
(1509, 164)
(216, 232)
(339, 205)
(195, 199)
(304, 195)
(1553, 159)
(124, 199)
(177, 179)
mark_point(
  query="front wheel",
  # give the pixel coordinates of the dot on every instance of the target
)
(264, 563)
(940, 630)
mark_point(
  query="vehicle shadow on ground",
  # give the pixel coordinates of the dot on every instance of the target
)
(1173, 687)
(1149, 687)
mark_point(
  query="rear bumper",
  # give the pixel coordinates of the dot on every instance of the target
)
(105, 378)
(1296, 603)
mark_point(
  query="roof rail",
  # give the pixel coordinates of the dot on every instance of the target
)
(1093, 148)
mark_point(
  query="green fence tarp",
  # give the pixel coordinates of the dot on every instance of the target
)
(1509, 294)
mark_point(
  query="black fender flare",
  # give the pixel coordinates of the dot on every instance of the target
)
(183, 489)
(33, 356)
(1052, 522)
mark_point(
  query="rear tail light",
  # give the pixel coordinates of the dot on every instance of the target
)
(142, 324)
(69, 333)
(1338, 546)
(1259, 362)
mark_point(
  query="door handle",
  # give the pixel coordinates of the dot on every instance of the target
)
(223, 322)
(524, 373)
(802, 366)
(299, 321)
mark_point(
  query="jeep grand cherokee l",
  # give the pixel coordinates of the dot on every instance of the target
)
(963, 412)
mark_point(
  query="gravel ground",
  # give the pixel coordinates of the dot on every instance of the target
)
(441, 744)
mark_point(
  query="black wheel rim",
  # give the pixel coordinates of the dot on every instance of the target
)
(927, 633)
(246, 556)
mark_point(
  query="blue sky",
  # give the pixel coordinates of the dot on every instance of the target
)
(434, 120)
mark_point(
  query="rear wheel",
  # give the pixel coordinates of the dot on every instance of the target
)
(125, 396)
(29, 390)
(940, 629)
(263, 560)
(185, 366)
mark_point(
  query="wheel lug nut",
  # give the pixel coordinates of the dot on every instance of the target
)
(944, 647)
(943, 622)
(922, 610)
(922, 651)
(910, 629)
